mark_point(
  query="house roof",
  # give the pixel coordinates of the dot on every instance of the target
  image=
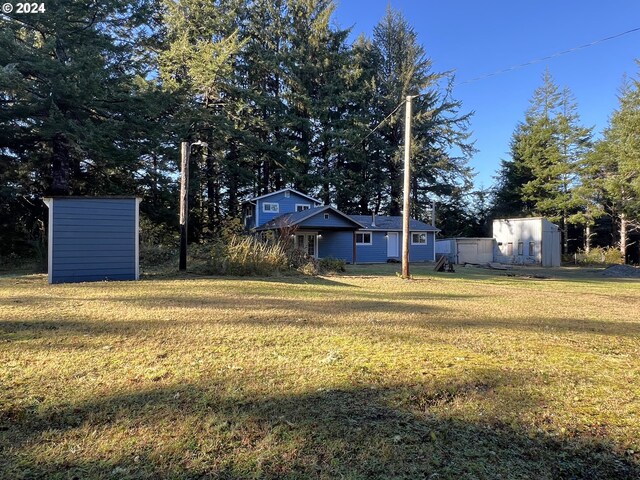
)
(393, 223)
(295, 218)
(284, 190)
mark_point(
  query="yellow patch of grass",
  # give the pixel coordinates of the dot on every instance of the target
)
(364, 375)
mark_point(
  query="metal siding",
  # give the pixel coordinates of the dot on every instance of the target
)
(93, 239)
(287, 205)
(518, 230)
(336, 245)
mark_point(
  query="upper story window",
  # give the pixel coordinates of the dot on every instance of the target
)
(302, 206)
(271, 207)
(287, 194)
(418, 238)
(363, 238)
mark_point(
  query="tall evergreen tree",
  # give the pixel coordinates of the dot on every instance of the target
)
(77, 110)
(615, 163)
(438, 128)
(546, 151)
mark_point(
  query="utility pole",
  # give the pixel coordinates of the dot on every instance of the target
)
(184, 200)
(407, 184)
(185, 153)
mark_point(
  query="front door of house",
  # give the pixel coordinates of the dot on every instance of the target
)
(308, 242)
(392, 244)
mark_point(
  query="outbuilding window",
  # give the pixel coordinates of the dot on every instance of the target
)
(271, 207)
(532, 249)
(418, 239)
(363, 238)
(520, 248)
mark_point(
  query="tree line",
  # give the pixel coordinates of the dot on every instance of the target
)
(95, 99)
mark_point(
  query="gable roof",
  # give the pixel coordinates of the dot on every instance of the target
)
(295, 218)
(393, 223)
(284, 190)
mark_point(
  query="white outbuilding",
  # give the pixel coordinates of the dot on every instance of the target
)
(527, 241)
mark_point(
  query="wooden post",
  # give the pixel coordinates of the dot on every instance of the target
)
(184, 200)
(407, 182)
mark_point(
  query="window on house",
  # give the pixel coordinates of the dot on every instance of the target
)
(363, 238)
(532, 249)
(302, 206)
(510, 248)
(326, 216)
(271, 207)
(418, 238)
(287, 194)
(520, 248)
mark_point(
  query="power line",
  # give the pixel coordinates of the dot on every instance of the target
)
(549, 57)
(510, 69)
(383, 120)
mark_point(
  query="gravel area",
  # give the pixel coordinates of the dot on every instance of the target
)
(622, 271)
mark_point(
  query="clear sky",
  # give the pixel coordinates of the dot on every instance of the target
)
(474, 38)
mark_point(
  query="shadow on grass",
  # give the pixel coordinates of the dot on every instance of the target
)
(199, 431)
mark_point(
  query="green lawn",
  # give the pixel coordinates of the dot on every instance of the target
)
(468, 375)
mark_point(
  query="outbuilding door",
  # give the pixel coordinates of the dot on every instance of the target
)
(467, 252)
(392, 244)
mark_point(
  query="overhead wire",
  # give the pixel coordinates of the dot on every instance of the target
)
(512, 68)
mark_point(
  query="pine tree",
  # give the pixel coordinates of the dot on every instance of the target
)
(615, 163)
(546, 151)
(77, 109)
(438, 128)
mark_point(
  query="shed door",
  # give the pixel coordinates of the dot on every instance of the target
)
(392, 244)
(467, 253)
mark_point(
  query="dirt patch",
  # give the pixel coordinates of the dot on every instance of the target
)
(622, 271)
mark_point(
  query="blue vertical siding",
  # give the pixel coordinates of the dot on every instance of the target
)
(287, 205)
(336, 244)
(93, 239)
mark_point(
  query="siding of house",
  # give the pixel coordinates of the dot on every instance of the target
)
(423, 253)
(93, 239)
(334, 221)
(337, 245)
(377, 252)
(287, 205)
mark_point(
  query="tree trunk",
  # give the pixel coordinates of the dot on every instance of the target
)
(60, 165)
(233, 168)
(565, 234)
(587, 238)
(623, 236)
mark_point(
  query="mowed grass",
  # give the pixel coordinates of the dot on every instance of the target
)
(468, 375)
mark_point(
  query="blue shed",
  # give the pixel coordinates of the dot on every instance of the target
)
(93, 238)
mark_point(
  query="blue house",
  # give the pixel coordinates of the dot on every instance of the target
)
(324, 231)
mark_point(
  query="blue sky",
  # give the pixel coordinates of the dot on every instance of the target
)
(475, 38)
